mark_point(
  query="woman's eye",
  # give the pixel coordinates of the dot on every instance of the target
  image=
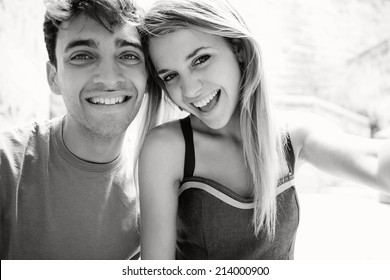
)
(168, 77)
(201, 59)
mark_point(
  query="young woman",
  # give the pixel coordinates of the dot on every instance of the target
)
(219, 183)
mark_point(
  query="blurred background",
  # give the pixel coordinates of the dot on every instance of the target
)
(330, 57)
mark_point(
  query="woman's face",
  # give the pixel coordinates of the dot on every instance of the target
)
(201, 74)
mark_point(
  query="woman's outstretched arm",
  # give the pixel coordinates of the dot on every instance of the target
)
(364, 160)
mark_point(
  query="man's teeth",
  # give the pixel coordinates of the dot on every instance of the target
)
(107, 101)
(206, 100)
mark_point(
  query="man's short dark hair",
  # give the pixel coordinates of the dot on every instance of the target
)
(109, 13)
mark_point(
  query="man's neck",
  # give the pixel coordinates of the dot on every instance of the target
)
(89, 147)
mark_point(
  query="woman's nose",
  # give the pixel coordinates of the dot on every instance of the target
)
(191, 86)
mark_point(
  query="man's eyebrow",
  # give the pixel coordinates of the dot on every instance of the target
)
(191, 55)
(125, 43)
(77, 43)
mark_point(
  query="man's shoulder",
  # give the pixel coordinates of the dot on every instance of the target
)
(16, 141)
(18, 133)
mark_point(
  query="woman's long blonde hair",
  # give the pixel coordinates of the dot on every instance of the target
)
(263, 138)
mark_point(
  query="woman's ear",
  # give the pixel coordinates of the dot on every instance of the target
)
(51, 75)
(238, 50)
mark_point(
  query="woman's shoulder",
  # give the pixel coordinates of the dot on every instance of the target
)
(163, 151)
(298, 125)
(167, 135)
(164, 141)
(306, 129)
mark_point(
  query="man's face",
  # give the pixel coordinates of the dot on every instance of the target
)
(100, 75)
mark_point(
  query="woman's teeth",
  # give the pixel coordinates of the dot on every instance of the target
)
(203, 102)
(107, 101)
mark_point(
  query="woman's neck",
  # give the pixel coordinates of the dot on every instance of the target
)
(231, 130)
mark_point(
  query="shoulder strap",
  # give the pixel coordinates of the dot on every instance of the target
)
(189, 160)
(290, 157)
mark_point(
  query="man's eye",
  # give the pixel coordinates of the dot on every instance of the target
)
(168, 77)
(201, 59)
(81, 59)
(81, 56)
(129, 57)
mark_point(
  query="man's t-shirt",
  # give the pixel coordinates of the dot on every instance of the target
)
(54, 205)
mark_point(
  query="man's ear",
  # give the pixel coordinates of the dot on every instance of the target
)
(51, 75)
(238, 50)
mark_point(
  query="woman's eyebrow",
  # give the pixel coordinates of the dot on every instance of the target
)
(188, 57)
(162, 71)
(192, 54)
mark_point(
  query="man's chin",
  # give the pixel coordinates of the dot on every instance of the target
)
(107, 131)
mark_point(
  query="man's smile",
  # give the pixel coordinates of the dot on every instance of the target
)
(108, 101)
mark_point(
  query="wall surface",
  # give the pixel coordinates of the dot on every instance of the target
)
(306, 42)
(24, 94)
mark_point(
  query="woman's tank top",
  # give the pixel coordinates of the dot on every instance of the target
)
(216, 223)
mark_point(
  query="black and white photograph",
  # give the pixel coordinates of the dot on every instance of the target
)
(223, 130)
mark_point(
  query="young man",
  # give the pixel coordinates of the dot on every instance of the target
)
(66, 185)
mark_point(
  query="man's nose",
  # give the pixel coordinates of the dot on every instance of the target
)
(108, 73)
